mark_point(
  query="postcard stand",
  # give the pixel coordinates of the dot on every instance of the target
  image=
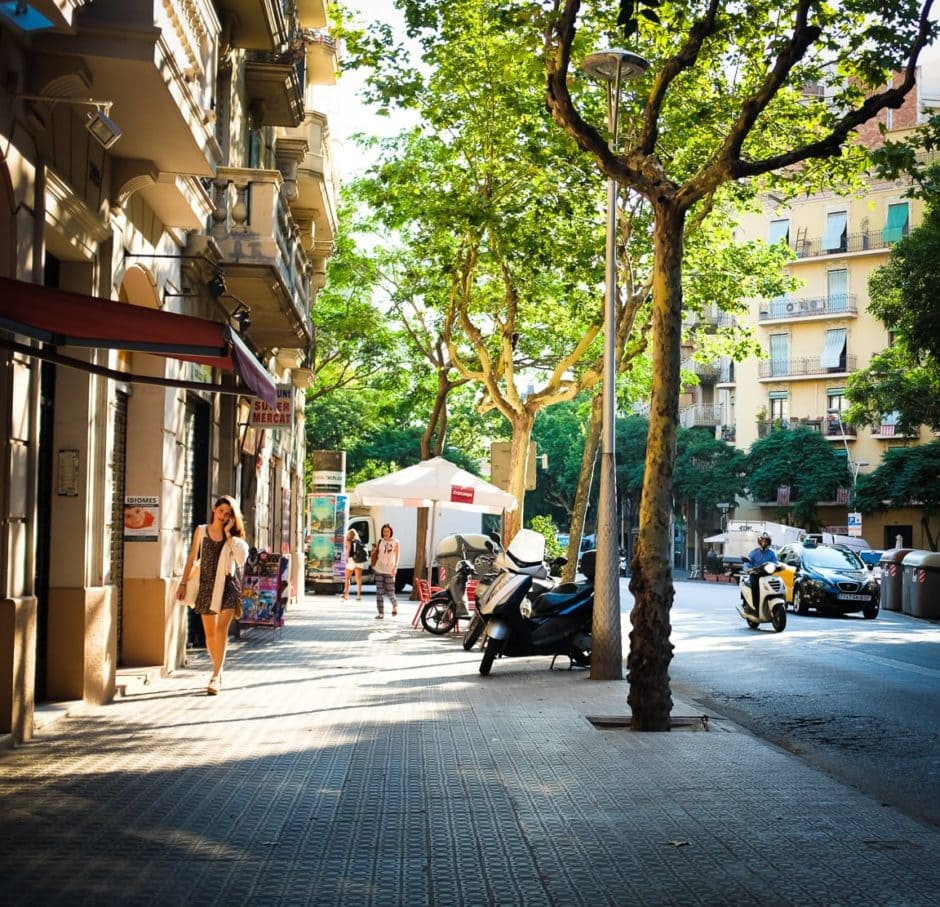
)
(265, 589)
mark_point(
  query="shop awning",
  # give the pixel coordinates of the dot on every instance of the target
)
(63, 319)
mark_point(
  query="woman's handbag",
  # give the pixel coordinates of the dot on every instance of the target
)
(192, 586)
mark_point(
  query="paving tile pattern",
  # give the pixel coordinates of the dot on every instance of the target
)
(348, 762)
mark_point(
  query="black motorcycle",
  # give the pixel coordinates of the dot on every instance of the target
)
(557, 622)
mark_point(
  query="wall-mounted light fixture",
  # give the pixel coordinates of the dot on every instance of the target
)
(23, 16)
(105, 131)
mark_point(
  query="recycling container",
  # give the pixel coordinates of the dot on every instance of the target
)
(891, 575)
(920, 596)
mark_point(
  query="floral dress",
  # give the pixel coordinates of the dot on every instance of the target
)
(209, 559)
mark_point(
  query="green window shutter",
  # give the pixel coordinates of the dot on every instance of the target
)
(896, 225)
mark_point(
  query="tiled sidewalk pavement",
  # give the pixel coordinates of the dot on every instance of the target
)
(351, 761)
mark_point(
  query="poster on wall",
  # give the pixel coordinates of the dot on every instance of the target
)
(141, 518)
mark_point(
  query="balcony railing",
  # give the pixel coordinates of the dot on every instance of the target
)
(852, 242)
(827, 427)
(263, 258)
(701, 414)
(804, 366)
(706, 371)
(789, 309)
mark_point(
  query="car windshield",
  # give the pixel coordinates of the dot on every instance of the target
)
(834, 558)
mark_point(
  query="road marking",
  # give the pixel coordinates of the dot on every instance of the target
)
(884, 662)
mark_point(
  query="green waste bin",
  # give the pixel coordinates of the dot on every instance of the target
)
(920, 596)
(891, 575)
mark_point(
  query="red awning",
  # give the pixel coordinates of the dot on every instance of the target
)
(61, 318)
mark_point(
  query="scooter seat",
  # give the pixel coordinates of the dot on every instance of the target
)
(555, 601)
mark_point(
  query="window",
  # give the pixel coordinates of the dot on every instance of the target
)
(779, 406)
(833, 354)
(779, 230)
(836, 232)
(896, 225)
(835, 400)
(779, 354)
(837, 290)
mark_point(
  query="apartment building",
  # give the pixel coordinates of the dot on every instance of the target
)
(167, 208)
(816, 337)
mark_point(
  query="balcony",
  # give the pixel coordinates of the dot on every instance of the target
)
(815, 307)
(706, 372)
(255, 24)
(275, 89)
(322, 59)
(701, 414)
(312, 13)
(262, 256)
(304, 157)
(61, 13)
(156, 61)
(803, 367)
(871, 240)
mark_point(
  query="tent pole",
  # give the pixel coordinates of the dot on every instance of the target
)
(431, 545)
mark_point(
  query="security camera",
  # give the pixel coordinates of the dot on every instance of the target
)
(103, 128)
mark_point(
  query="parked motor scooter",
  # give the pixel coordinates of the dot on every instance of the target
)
(772, 607)
(498, 582)
(556, 622)
(446, 607)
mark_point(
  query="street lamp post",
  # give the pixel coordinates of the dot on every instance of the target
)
(612, 67)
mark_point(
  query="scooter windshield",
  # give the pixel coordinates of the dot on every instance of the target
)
(527, 547)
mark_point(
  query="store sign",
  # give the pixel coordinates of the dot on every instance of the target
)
(461, 494)
(263, 416)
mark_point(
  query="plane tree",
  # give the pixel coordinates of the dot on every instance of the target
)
(734, 76)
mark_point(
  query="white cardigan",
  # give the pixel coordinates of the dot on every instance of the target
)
(233, 554)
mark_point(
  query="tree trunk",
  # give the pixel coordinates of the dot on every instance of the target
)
(650, 648)
(518, 463)
(582, 496)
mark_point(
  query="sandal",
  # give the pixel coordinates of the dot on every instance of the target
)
(394, 612)
(215, 684)
(379, 616)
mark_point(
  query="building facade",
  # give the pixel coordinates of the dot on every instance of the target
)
(816, 337)
(167, 207)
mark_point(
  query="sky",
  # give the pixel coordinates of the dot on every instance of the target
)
(344, 108)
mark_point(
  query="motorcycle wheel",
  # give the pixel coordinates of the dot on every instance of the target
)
(489, 656)
(778, 617)
(581, 659)
(753, 624)
(473, 631)
(438, 618)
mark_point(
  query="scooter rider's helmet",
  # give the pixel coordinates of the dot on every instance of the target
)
(764, 537)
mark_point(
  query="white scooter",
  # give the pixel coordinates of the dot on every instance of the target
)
(772, 608)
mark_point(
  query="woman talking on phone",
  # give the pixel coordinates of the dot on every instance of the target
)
(221, 549)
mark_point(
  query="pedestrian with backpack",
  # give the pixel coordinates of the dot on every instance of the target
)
(356, 559)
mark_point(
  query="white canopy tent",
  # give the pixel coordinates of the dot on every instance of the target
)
(433, 483)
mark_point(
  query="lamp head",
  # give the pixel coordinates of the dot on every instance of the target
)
(604, 65)
(103, 128)
(216, 285)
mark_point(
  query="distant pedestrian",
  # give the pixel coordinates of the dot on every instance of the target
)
(385, 564)
(356, 559)
(222, 551)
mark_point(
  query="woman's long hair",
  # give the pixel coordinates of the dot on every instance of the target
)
(239, 529)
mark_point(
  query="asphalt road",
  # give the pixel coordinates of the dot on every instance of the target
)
(858, 698)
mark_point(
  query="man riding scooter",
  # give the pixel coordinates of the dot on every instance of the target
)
(762, 554)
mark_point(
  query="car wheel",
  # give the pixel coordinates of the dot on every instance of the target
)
(799, 603)
(870, 611)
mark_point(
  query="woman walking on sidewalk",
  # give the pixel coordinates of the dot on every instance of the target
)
(385, 564)
(356, 559)
(222, 551)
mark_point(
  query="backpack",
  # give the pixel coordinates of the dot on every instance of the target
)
(359, 552)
